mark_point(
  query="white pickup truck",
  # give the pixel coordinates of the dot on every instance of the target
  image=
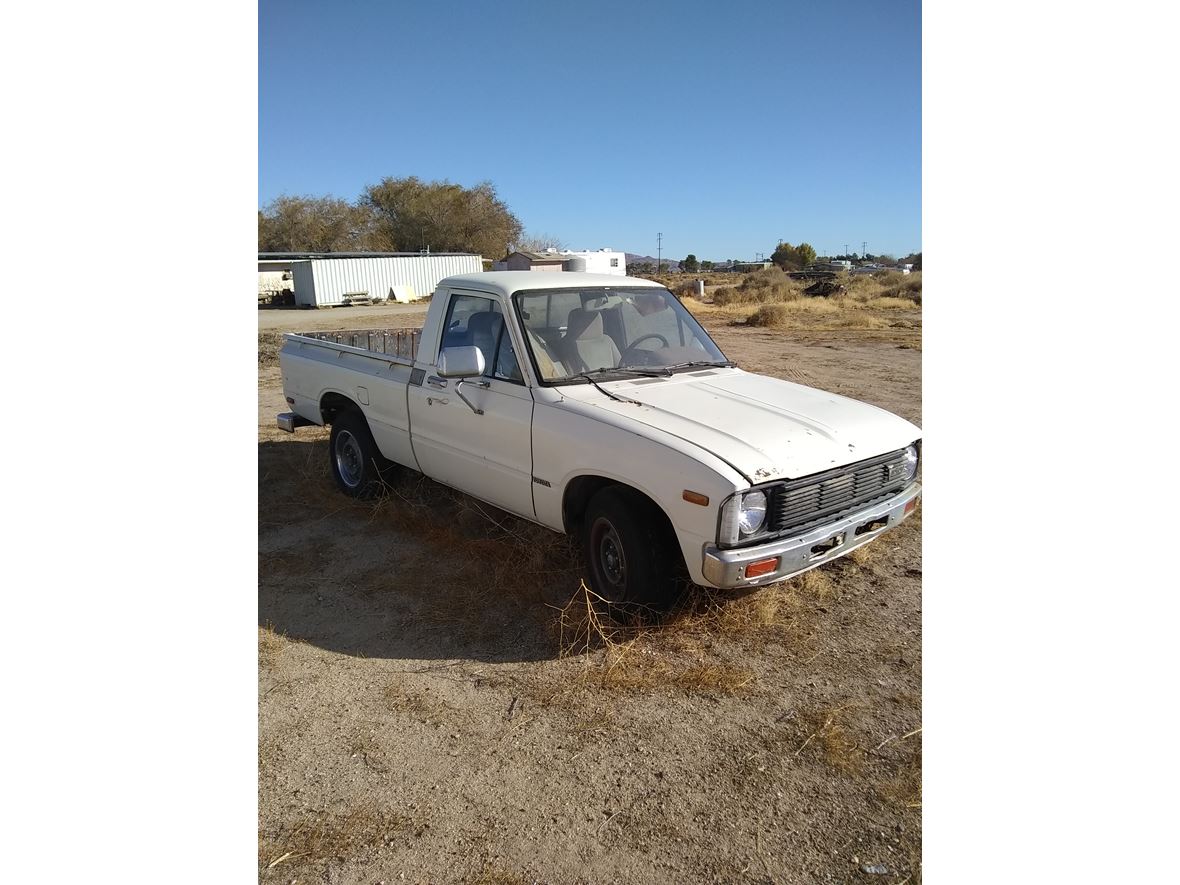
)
(597, 405)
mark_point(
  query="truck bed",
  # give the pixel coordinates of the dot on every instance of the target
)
(371, 367)
(400, 344)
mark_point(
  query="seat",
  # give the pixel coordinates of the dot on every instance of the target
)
(585, 347)
(612, 324)
(547, 362)
(483, 330)
(662, 322)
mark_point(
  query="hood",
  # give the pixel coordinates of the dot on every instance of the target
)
(764, 427)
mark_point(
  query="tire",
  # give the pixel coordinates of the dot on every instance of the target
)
(630, 550)
(359, 469)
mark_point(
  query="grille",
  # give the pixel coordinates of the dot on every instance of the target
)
(805, 503)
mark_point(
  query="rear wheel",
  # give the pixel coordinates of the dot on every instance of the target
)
(358, 468)
(628, 546)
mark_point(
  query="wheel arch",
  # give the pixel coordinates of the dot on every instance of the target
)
(333, 403)
(666, 563)
(582, 488)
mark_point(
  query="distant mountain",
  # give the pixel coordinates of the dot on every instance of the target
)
(632, 258)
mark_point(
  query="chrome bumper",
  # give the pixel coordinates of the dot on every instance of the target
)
(288, 421)
(727, 568)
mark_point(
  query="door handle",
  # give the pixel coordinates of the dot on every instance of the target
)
(431, 400)
(435, 381)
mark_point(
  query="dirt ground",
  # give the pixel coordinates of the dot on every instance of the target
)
(435, 704)
(360, 317)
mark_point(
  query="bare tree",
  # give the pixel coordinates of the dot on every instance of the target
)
(538, 242)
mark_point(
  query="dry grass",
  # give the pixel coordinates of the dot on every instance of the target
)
(585, 625)
(641, 654)
(762, 287)
(864, 554)
(816, 583)
(829, 737)
(884, 303)
(336, 835)
(770, 299)
(673, 281)
(814, 315)
(889, 290)
(270, 645)
(636, 667)
(821, 307)
(650, 651)
(904, 787)
(712, 310)
(269, 345)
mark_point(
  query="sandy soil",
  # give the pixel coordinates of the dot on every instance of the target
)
(422, 717)
(374, 316)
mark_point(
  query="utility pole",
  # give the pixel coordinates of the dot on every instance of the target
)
(864, 248)
(659, 251)
(845, 250)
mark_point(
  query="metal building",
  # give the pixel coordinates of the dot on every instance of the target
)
(326, 279)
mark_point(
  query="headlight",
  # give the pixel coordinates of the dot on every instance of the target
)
(742, 515)
(910, 464)
(752, 512)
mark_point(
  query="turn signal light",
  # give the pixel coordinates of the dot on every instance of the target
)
(761, 567)
(696, 498)
(911, 506)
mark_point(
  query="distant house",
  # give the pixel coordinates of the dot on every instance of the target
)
(601, 261)
(748, 266)
(534, 261)
(598, 261)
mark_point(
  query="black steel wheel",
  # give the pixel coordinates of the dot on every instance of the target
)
(358, 468)
(629, 548)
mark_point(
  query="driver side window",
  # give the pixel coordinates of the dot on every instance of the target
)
(476, 321)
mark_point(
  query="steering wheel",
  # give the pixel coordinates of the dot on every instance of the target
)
(634, 346)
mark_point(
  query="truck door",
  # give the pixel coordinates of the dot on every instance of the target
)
(488, 455)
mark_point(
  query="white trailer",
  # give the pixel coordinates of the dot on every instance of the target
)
(605, 261)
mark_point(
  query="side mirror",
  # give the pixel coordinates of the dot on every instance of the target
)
(461, 362)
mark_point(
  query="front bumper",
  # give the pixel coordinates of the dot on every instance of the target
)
(727, 568)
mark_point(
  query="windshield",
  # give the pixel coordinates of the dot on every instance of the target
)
(572, 331)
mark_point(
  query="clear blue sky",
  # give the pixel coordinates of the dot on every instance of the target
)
(726, 126)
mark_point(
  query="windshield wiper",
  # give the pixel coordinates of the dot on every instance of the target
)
(693, 364)
(589, 377)
(651, 372)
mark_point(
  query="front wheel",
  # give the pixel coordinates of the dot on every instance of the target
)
(627, 544)
(357, 466)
